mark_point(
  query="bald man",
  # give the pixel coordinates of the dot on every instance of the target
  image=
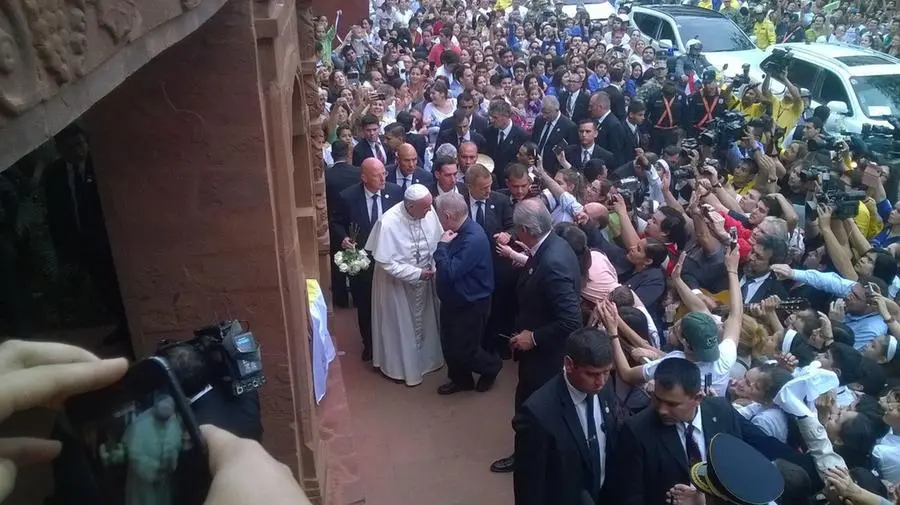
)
(593, 220)
(361, 205)
(406, 171)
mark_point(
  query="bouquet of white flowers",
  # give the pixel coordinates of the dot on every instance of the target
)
(352, 261)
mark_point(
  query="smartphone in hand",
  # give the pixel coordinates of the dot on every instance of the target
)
(138, 440)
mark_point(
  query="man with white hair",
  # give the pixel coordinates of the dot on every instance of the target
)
(405, 338)
(465, 282)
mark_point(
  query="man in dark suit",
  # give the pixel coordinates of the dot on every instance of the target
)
(445, 171)
(461, 133)
(574, 100)
(637, 135)
(616, 97)
(610, 132)
(77, 227)
(552, 129)
(405, 173)
(657, 447)
(417, 140)
(503, 138)
(339, 177)
(359, 207)
(758, 282)
(578, 155)
(372, 145)
(493, 211)
(566, 430)
(549, 299)
(466, 103)
(465, 282)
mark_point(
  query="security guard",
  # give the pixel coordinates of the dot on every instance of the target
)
(704, 105)
(664, 112)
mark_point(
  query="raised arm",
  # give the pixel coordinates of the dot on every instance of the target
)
(838, 253)
(732, 329)
(629, 235)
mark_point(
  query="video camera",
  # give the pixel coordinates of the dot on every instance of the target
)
(232, 355)
(743, 78)
(723, 131)
(778, 63)
(843, 202)
(631, 190)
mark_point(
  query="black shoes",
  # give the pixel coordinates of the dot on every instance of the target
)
(485, 382)
(504, 465)
(452, 387)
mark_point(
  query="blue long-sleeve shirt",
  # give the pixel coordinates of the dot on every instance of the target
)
(865, 327)
(465, 272)
(884, 238)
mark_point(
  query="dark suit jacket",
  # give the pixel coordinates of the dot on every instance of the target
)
(353, 209)
(419, 176)
(770, 287)
(450, 137)
(549, 296)
(505, 154)
(552, 459)
(650, 457)
(338, 178)
(611, 136)
(476, 124)
(632, 143)
(582, 105)
(616, 101)
(573, 155)
(463, 190)
(563, 130)
(71, 241)
(363, 150)
(497, 218)
(420, 143)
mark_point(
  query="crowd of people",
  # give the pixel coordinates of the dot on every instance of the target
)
(673, 258)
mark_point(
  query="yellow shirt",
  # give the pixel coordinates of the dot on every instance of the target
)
(751, 111)
(502, 5)
(786, 115)
(706, 4)
(868, 222)
(765, 33)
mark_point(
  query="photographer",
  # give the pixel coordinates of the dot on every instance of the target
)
(210, 404)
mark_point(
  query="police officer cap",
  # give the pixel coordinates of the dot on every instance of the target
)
(737, 473)
(709, 75)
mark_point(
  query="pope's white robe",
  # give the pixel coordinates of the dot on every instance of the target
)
(152, 448)
(406, 342)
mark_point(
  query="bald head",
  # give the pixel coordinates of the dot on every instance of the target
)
(467, 155)
(372, 174)
(598, 213)
(407, 158)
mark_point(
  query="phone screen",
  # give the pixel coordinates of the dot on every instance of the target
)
(140, 440)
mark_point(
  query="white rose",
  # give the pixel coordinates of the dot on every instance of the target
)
(338, 257)
(363, 253)
(343, 267)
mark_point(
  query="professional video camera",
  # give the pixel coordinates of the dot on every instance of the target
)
(232, 355)
(844, 203)
(778, 62)
(723, 131)
(631, 190)
(743, 78)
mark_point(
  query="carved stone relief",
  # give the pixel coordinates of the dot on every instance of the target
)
(59, 34)
(18, 75)
(120, 18)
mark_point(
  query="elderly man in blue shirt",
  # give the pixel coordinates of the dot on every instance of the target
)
(465, 282)
(861, 315)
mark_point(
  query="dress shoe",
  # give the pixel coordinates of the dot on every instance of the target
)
(504, 465)
(452, 387)
(485, 382)
(367, 354)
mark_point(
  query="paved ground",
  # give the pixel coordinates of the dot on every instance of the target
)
(415, 446)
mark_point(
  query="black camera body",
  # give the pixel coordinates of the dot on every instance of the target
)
(232, 356)
(724, 131)
(631, 190)
(778, 62)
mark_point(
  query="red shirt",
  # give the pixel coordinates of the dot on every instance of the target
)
(742, 233)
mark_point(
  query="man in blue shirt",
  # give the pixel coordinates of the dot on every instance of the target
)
(861, 315)
(465, 282)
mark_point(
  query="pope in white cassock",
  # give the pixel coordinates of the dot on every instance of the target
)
(406, 342)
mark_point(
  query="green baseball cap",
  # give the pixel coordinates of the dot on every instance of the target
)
(702, 335)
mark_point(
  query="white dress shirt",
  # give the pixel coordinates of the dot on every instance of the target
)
(603, 117)
(579, 399)
(401, 177)
(698, 435)
(369, 196)
(570, 104)
(441, 191)
(633, 128)
(473, 208)
(548, 128)
(753, 285)
(506, 132)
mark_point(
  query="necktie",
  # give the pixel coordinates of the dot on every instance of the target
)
(585, 157)
(378, 152)
(500, 138)
(593, 442)
(405, 183)
(572, 98)
(544, 137)
(461, 140)
(373, 217)
(479, 213)
(693, 450)
(744, 286)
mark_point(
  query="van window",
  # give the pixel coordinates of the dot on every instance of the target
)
(803, 74)
(648, 25)
(668, 32)
(832, 89)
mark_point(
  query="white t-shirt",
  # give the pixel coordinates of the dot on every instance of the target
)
(719, 369)
(770, 419)
(886, 456)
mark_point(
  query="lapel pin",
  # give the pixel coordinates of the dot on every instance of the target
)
(492, 206)
(530, 271)
(606, 409)
(387, 196)
(714, 420)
